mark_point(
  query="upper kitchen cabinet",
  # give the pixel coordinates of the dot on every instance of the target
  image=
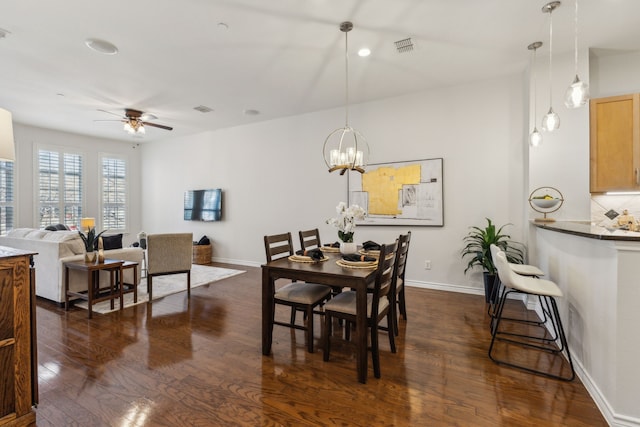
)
(615, 143)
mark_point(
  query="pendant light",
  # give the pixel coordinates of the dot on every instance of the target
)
(551, 121)
(345, 148)
(578, 92)
(535, 138)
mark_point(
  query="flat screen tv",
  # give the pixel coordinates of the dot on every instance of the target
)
(203, 205)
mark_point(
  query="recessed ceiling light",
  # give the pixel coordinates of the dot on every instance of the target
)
(364, 52)
(101, 46)
(251, 112)
(222, 26)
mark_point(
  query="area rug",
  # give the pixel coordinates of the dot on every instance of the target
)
(167, 285)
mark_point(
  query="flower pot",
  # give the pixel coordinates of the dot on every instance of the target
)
(348, 248)
(490, 288)
(90, 256)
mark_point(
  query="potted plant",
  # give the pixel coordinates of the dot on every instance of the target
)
(345, 222)
(90, 242)
(478, 248)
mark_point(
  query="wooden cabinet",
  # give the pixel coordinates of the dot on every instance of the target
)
(615, 143)
(18, 376)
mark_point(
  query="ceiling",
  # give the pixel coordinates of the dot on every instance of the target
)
(279, 57)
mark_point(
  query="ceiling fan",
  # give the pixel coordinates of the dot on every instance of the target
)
(135, 121)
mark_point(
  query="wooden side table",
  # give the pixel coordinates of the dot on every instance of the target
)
(125, 288)
(94, 293)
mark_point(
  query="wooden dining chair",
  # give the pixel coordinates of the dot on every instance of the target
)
(343, 306)
(399, 305)
(309, 239)
(297, 295)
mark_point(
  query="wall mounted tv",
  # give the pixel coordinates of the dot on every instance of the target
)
(203, 205)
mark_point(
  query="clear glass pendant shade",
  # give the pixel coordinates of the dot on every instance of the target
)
(535, 138)
(551, 121)
(577, 93)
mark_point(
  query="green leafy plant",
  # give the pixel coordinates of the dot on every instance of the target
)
(478, 247)
(90, 239)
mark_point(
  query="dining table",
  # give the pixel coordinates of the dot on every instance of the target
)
(326, 272)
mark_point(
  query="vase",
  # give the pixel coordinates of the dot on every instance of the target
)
(90, 256)
(348, 248)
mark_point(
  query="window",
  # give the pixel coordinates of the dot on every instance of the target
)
(59, 188)
(114, 194)
(6, 197)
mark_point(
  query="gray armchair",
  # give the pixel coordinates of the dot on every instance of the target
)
(169, 254)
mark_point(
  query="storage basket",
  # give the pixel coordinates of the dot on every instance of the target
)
(202, 254)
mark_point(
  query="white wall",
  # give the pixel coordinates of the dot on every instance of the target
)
(28, 137)
(274, 178)
(562, 161)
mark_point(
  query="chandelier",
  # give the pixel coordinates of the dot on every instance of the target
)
(345, 148)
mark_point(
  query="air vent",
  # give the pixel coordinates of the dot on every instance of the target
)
(404, 45)
(203, 109)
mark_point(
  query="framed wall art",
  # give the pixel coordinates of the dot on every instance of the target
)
(400, 193)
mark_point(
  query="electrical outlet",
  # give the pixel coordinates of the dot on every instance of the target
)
(427, 264)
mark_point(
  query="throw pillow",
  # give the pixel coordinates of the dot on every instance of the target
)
(51, 228)
(112, 242)
(61, 227)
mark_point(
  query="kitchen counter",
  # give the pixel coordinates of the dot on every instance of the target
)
(587, 229)
(598, 271)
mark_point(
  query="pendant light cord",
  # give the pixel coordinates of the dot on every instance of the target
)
(550, 58)
(535, 90)
(575, 22)
(346, 72)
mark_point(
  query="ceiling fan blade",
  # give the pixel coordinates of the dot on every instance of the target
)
(109, 112)
(155, 125)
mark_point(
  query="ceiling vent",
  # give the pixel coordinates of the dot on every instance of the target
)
(203, 109)
(404, 45)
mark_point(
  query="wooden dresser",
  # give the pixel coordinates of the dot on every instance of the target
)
(18, 361)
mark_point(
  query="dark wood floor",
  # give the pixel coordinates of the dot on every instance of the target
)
(199, 363)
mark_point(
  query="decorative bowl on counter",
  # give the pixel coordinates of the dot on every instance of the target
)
(545, 203)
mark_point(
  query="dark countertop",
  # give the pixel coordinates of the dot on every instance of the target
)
(587, 229)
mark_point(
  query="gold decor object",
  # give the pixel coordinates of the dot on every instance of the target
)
(545, 200)
(100, 250)
(345, 148)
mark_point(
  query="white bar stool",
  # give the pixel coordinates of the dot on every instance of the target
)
(547, 291)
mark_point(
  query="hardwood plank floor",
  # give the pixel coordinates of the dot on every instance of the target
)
(198, 362)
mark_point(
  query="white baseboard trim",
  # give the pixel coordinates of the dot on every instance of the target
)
(237, 261)
(445, 287)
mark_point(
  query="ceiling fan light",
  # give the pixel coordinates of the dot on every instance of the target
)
(577, 94)
(140, 129)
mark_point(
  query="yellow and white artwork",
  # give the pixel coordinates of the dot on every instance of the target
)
(400, 193)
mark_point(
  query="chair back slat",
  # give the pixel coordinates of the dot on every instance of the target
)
(278, 246)
(309, 239)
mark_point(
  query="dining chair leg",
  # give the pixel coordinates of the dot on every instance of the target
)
(392, 340)
(309, 315)
(375, 354)
(402, 304)
(326, 337)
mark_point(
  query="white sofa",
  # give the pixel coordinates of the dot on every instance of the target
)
(56, 247)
